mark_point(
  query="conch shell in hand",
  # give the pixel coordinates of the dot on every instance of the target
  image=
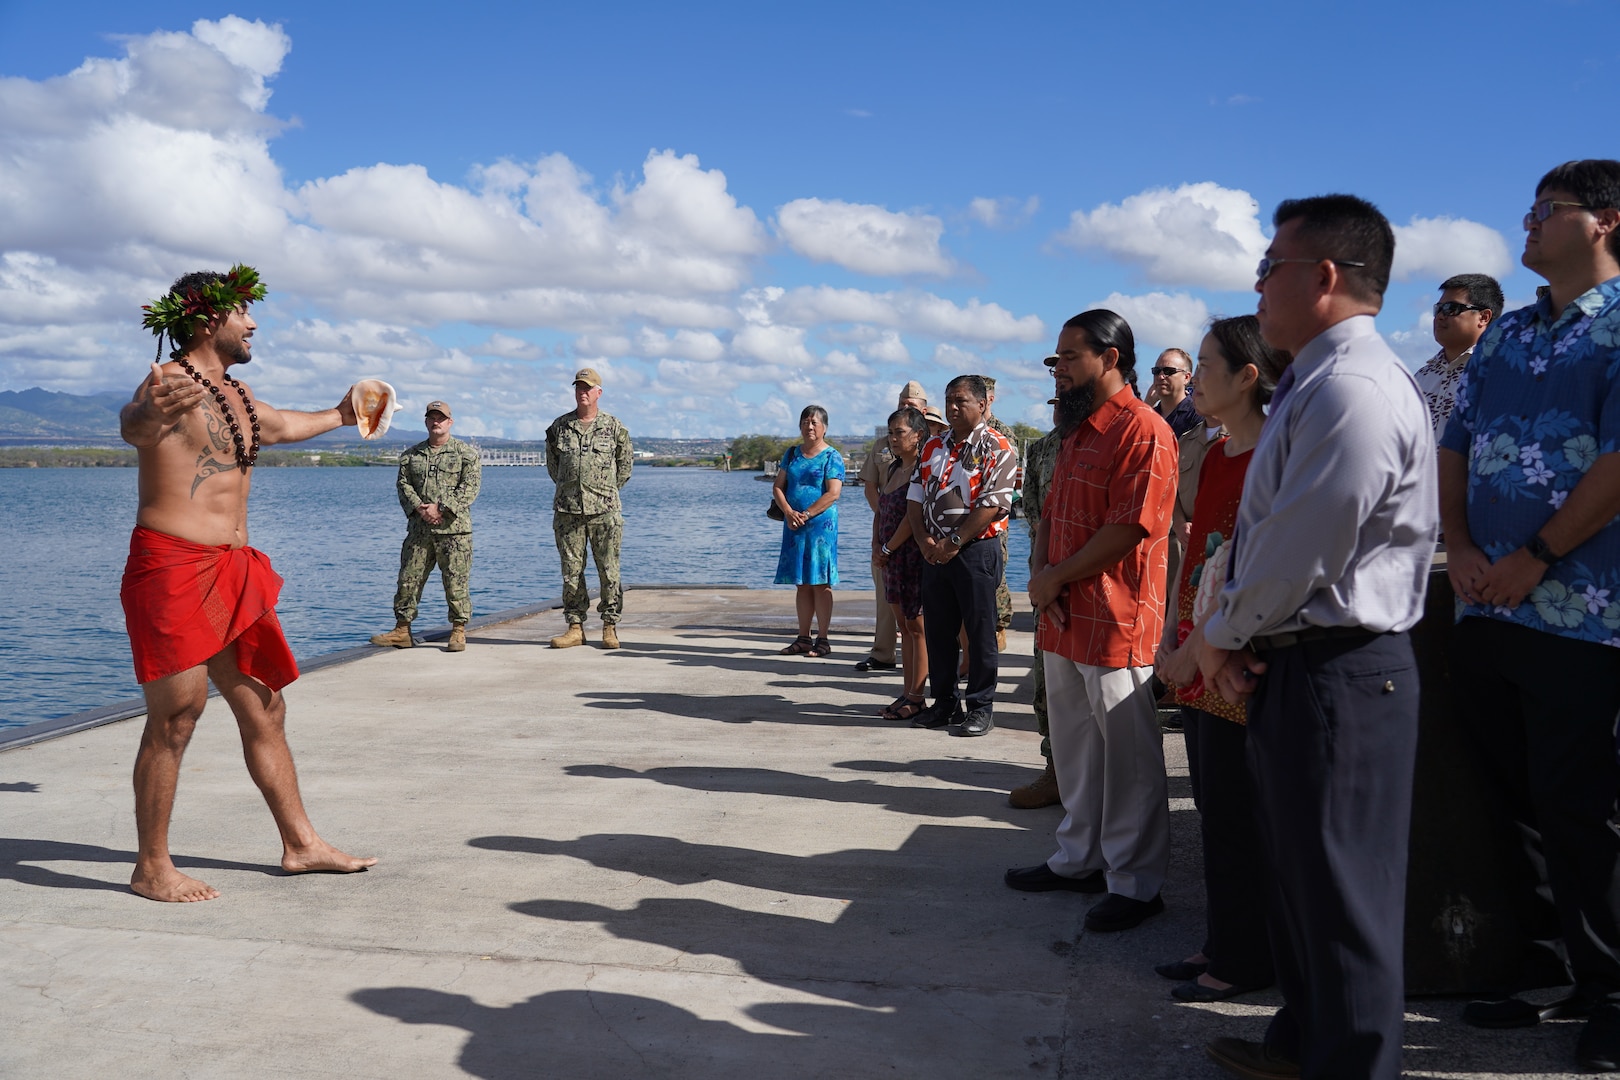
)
(374, 404)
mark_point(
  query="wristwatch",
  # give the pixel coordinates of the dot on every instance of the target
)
(956, 540)
(1538, 548)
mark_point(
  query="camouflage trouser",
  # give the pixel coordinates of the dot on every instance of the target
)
(604, 532)
(423, 550)
(1003, 595)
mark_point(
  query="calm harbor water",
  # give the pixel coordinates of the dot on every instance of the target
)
(334, 535)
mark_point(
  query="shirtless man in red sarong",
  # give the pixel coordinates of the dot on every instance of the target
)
(198, 602)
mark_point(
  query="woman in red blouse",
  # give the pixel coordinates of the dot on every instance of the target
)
(1233, 382)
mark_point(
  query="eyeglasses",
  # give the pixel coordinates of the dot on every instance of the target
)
(1266, 266)
(1450, 309)
(1167, 371)
(1545, 209)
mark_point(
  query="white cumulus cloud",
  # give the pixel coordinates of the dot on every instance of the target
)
(1160, 321)
(1439, 247)
(864, 238)
(1003, 213)
(1195, 235)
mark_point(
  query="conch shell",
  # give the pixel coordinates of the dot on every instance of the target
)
(375, 403)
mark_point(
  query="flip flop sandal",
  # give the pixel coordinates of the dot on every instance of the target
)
(800, 646)
(821, 648)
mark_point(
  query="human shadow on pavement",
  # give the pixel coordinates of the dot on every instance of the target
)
(737, 708)
(20, 785)
(579, 1033)
(18, 856)
(984, 799)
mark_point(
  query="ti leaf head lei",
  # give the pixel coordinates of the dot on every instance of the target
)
(180, 313)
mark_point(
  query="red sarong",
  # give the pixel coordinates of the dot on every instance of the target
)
(185, 603)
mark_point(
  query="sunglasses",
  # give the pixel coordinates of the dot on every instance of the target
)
(1450, 309)
(1546, 208)
(1169, 371)
(1266, 266)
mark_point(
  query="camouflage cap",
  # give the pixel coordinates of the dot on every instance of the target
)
(438, 407)
(588, 376)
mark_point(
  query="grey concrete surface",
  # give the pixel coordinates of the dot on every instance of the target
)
(687, 858)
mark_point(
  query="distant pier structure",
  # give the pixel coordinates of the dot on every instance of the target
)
(511, 457)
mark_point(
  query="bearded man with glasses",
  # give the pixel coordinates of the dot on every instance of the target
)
(1529, 493)
(1468, 303)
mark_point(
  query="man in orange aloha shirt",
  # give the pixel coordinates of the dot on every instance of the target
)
(1100, 554)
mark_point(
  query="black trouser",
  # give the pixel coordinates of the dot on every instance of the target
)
(1238, 949)
(963, 593)
(1332, 745)
(1542, 712)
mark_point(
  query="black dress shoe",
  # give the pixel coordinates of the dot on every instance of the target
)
(977, 722)
(1118, 912)
(1518, 1013)
(1197, 991)
(1180, 971)
(1255, 1060)
(940, 714)
(1598, 1048)
(1040, 878)
(872, 663)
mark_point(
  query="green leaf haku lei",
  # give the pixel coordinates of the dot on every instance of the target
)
(190, 311)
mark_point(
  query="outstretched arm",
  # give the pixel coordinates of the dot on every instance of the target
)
(287, 426)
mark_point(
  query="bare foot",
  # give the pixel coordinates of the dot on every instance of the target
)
(171, 887)
(321, 857)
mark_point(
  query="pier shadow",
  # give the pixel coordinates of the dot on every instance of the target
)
(20, 785)
(982, 794)
(19, 858)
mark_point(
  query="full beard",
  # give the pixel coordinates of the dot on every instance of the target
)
(1075, 404)
(237, 353)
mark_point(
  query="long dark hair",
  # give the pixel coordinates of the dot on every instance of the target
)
(1106, 330)
(1241, 344)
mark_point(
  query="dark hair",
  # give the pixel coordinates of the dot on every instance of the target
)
(1482, 290)
(1106, 330)
(1345, 229)
(813, 410)
(974, 383)
(913, 420)
(1241, 344)
(181, 335)
(1595, 183)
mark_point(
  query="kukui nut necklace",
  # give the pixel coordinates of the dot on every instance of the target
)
(244, 457)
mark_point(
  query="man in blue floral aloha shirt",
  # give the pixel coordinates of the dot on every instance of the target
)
(1530, 490)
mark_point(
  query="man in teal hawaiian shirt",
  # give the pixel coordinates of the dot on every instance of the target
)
(1530, 490)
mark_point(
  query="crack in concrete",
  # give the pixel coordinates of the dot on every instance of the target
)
(590, 996)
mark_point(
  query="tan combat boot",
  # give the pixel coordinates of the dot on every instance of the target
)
(610, 636)
(1042, 791)
(458, 638)
(1001, 641)
(399, 637)
(575, 636)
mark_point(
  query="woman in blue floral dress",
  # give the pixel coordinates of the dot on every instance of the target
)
(808, 483)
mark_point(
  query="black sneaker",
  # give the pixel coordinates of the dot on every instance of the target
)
(940, 714)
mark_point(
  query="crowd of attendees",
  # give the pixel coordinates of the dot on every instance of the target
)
(1251, 540)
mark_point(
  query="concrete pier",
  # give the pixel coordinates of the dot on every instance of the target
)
(687, 858)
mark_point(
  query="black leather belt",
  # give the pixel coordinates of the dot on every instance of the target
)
(1267, 642)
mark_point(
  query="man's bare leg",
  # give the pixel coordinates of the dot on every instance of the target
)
(260, 716)
(173, 705)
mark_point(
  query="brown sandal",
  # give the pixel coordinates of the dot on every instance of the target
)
(800, 646)
(821, 648)
(906, 709)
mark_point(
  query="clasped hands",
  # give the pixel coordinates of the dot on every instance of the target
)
(1046, 595)
(1504, 583)
(432, 513)
(936, 551)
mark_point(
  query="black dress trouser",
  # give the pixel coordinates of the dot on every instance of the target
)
(963, 593)
(1542, 709)
(1332, 746)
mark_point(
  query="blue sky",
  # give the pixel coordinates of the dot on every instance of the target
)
(736, 209)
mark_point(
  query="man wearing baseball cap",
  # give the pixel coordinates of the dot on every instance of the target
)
(588, 457)
(438, 481)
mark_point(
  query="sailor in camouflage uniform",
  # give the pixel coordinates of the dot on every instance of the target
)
(588, 457)
(1039, 461)
(438, 481)
(1004, 607)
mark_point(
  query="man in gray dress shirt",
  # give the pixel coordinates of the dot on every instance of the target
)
(1333, 544)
